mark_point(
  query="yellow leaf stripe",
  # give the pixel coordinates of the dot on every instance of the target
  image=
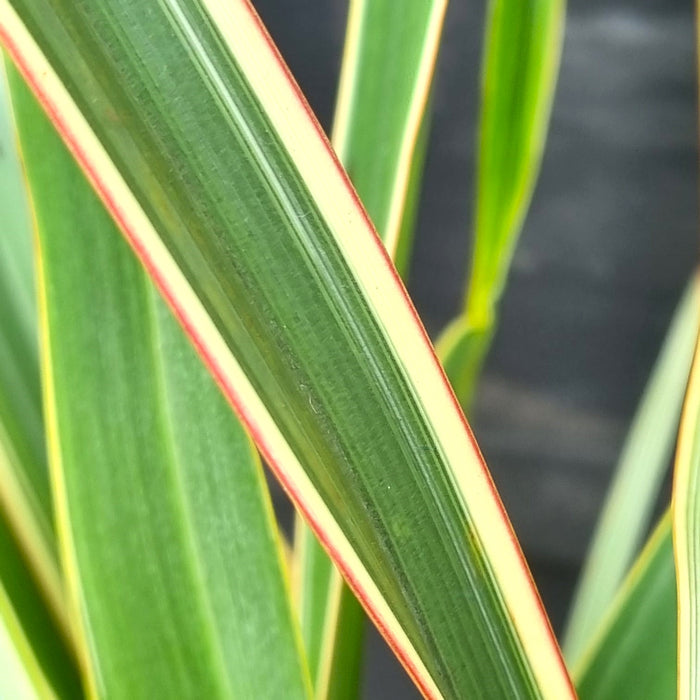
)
(685, 532)
(391, 228)
(303, 139)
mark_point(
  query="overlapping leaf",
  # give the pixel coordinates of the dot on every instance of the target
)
(191, 131)
(644, 460)
(24, 485)
(35, 660)
(686, 537)
(381, 119)
(36, 655)
(166, 531)
(634, 651)
(389, 59)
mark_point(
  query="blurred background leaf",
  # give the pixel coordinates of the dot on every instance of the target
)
(167, 531)
(633, 653)
(686, 536)
(33, 606)
(24, 483)
(634, 490)
(35, 659)
(522, 48)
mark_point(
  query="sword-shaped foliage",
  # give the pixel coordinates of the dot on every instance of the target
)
(389, 59)
(167, 535)
(188, 125)
(521, 63)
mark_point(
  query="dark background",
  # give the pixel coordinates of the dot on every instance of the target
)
(608, 245)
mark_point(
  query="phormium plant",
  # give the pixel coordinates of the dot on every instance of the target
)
(197, 248)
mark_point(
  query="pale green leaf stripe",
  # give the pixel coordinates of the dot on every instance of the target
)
(388, 63)
(191, 130)
(686, 537)
(521, 61)
(633, 655)
(167, 528)
(642, 465)
(33, 658)
(25, 497)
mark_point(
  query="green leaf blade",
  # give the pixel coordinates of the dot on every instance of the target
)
(463, 349)
(341, 673)
(634, 652)
(174, 564)
(32, 642)
(522, 49)
(24, 482)
(381, 123)
(520, 69)
(634, 490)
(21, 677)
(332, 620)
(236, 207)
(388, 62)
(686, 534)
(312, 587)
(20, 392)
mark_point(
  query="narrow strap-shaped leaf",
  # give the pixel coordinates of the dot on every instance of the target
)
(686, 537)
(634, 490)
(332, 620)
(380, 136)
(521, 62)
(633, 655)
(25, 496)
(190, 128)
(167, 531)
(339, 671)
(313, 575)
(37, 656)
(388, 64)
